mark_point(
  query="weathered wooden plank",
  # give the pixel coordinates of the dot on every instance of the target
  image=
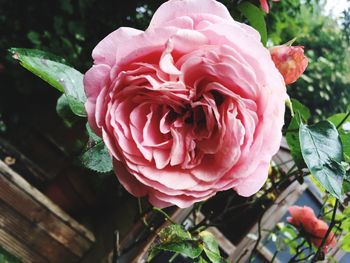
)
(38, 214)
(33, 236)
(39, 210)
(16, 247)
(39, 197)
(21, 162)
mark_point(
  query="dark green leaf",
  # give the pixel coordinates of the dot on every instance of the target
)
(255, 17)
(323, 153)
(54, 71)
(97, 159)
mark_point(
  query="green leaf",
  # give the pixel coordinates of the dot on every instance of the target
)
(301, 112)
(190, 248)
(173, 233)
(211, 247)
(54, 71)
(76, 105)
(323, 153)
(344, 134)
(176, 239)
(255, 17)
(97, 158)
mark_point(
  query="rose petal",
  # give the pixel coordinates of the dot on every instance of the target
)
(251, 184)
(177, 8)
(128, 181)
(105, 52)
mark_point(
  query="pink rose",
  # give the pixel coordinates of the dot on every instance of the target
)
(290, 61)
(315, 229)
(265, 5)
(191, 106)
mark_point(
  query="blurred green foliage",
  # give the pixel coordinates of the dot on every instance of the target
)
(325, 85)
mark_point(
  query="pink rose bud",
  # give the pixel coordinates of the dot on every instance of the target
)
(290, 61)
(191, 106)
(314, 229)
(265, 5)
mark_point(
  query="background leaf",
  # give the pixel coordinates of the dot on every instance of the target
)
(323, 153)
(255, 17)
(59, 75)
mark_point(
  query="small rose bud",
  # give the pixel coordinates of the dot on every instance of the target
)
(290, 61)
(265, 5)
